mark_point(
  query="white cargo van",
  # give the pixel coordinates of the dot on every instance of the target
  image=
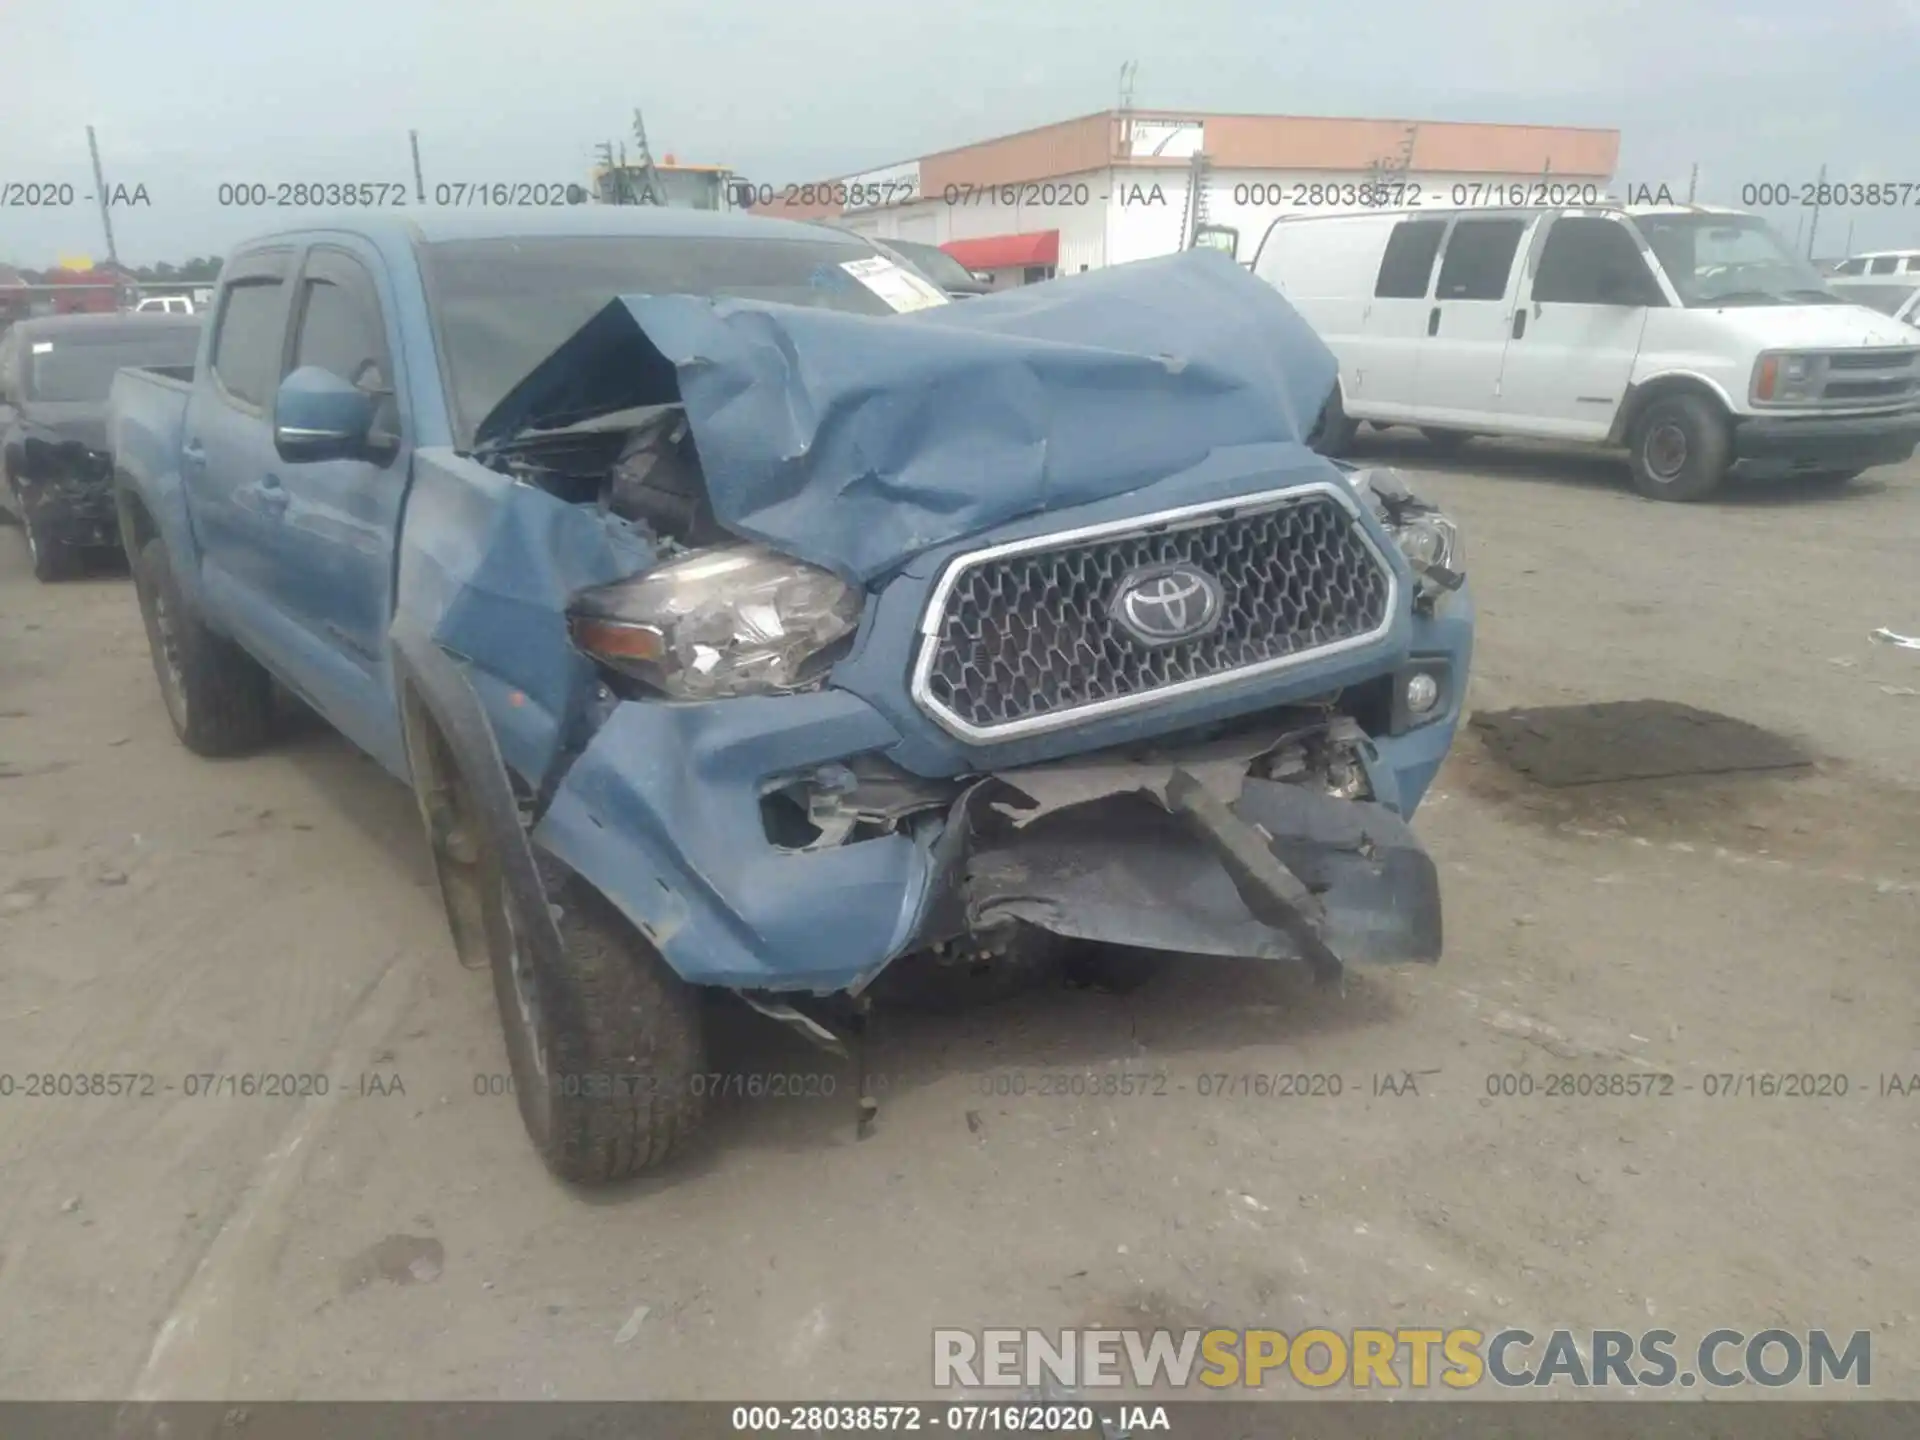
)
(1695, 337)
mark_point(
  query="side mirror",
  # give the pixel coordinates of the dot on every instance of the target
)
(319, 416)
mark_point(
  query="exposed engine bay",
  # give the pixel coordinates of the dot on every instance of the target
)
(640, 465)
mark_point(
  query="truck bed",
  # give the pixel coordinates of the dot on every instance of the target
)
(146, 410)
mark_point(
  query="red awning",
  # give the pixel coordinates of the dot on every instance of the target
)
(1006, 252)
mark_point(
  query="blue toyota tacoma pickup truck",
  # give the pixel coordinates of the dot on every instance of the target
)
(744, 616)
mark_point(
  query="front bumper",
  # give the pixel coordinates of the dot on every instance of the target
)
(662, 812)
(74, 512)
(1770, 447)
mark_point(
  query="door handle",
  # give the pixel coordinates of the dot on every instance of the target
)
(1519, 323)
(273, 496)
(1433, 321)
(193, 453)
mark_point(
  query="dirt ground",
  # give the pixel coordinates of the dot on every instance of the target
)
(162, 915)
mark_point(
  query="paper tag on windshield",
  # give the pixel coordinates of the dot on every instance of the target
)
(900, 288)
(42, 347)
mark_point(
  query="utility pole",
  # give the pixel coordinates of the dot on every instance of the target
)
(100, 189)
(1693, 182)
(1813, 228)
(656, 188)
(419, 183)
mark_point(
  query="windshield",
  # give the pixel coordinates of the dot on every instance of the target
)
(938, 266)
(1716, 260)
(73, 368)
(503, 306)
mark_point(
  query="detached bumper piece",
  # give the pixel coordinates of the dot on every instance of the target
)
(1281, 872)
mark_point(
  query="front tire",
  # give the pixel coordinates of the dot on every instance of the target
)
(608, 1053)
(218, 697)
(1679, 449)
(52, 559)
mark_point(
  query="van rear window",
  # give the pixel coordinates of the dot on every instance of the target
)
(1408, 263)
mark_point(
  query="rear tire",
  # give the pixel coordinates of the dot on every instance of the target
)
(1333, 432)
(218, 697)
(1679, 449)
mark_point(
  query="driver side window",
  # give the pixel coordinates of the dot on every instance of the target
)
(338, 335)
(1592, 261)
(339, 329)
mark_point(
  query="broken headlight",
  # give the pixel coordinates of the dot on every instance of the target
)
(739, 620)
(1425, 534)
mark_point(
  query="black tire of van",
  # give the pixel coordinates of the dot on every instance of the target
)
(1447, 442)
(218, 697)
(1679, 448)
(1333, 432)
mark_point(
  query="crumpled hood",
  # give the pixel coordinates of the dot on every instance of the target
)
(856, 442)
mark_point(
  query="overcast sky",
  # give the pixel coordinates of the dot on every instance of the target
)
(189, 93)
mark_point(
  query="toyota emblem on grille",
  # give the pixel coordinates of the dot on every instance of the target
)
(1162, 604)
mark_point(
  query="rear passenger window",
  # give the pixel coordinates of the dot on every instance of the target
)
(1479, 259)
(246, 347)
(1579, 251)
(1885, 265)
(1852, 267)
(1913, 264)
(1408, 263)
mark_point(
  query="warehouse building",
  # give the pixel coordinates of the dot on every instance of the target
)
(1128, 184)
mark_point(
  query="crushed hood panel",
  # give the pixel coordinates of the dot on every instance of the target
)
(856, 442)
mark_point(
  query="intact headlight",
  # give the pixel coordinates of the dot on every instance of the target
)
(738, 620)
(1781, 377)
(1426, 535)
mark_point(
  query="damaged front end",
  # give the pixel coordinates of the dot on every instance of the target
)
(64, 490)
(904, 634)
(1264, 842)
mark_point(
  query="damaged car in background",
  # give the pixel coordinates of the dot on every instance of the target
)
(745, 616)
(56, 479)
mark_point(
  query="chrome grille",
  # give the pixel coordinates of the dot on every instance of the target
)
(1019, 638)
(1875, 377)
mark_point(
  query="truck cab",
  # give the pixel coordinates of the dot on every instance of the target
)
(1690, 335)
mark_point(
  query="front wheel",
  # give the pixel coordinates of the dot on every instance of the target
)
(606, 1049)
(1679, 449)
(53, 559)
